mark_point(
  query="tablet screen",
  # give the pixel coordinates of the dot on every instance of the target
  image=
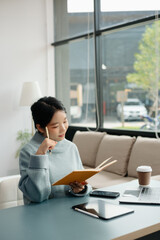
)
(102, 209)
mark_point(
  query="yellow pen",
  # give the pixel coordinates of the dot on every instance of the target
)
(47, 133)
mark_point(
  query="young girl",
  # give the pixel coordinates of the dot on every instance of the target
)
(49, 156)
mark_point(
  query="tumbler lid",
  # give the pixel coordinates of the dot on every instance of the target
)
(144, 169)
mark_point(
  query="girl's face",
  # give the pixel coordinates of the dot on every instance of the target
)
(58, 126)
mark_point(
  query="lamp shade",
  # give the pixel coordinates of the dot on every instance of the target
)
(30, 93)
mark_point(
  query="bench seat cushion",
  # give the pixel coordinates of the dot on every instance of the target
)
(106, 179)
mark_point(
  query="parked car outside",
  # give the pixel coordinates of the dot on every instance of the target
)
(133, 109)
(75, 110)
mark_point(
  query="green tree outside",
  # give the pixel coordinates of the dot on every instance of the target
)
(147, 63)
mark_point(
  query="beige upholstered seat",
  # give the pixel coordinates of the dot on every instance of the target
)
(10, 195)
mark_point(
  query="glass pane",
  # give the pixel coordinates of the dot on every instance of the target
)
(112, 13)
(72, 18)
(132, 5)
(128, 71)
(110, 19)
(75, 83)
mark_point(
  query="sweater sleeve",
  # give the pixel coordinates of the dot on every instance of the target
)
(34, 181)
(87, 190)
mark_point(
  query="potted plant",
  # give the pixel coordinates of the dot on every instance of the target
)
(23, 137)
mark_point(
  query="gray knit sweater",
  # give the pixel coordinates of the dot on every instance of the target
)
(38, 172)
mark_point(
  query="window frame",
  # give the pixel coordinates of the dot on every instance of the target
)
(96, 33)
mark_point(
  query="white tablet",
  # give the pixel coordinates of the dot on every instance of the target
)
(102, 209)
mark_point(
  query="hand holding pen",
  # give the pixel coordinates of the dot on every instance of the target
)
(47, 145)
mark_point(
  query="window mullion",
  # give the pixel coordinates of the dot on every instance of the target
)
(99, 87)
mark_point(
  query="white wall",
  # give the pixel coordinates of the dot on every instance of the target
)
(26, 32)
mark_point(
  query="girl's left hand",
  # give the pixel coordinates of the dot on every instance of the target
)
(77, 187)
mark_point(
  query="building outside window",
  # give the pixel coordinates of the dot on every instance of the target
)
(107, 61)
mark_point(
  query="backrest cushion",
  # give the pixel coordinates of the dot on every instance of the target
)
(119, 147)
(88, 143)
(146, 151)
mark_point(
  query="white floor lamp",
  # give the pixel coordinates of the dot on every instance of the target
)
(30, 93)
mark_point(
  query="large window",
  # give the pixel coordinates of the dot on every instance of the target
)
(107, 61)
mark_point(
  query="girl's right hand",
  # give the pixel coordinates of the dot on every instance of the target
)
(47, 144)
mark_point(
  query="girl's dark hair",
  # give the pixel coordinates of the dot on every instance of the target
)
(44, 109)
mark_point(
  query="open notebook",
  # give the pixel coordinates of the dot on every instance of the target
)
(142, 195)
(82, 175)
